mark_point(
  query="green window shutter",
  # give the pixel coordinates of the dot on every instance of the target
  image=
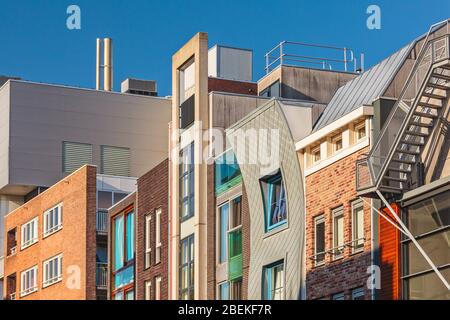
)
(75, 155)
(115, 161)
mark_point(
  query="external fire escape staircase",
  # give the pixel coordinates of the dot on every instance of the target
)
(395, 158)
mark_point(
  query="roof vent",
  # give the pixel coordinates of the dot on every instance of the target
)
(140, 87)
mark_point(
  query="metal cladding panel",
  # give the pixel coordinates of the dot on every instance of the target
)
(363, 89)
(287, 243)
(115, 161)
(230, 63)
(76, 155)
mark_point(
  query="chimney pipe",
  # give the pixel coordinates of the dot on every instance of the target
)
(106, 45)
(108, 67)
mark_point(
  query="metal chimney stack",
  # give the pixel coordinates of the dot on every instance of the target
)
(107, 64)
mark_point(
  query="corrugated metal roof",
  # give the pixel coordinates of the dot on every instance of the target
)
(363, 89)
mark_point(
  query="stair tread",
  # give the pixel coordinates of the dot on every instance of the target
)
(400, 170)
(404, 161)
(429, 105)
(434, 96)
(425, 115)
(418, 134)
(440, 76)
(395, 179)
(408, 152)
(413, 143)
(420, 124)
(438, 86)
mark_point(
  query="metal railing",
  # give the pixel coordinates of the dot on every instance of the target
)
(101, 276)
(283, 54)
(102, 221)
(370, 170)
(12, 296)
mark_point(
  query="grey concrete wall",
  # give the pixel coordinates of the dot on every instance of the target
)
(287, 242)
(4, 134)
(43, 116)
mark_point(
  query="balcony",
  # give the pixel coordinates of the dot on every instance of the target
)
(102, 222)
(187, 112)
(101, 276)
(235, 254)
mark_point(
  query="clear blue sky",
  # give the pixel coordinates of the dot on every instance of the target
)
(36, 45)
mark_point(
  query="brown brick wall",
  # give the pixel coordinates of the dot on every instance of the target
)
(232, 86)
(76, 240)
(327, 189)
(152, 194)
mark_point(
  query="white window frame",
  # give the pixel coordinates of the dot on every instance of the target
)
(334, 140)
(318, 220)
(338, 213)
(48, 282)
(357, 293)
(358, 204)
(25, 244)
(158, 281)
(359, 126)
(47, 232)
(158, 243)
(148, 241)
(313, 151)
(148, 290)
(27, 291)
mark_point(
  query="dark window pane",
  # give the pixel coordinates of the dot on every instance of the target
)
(104, 199)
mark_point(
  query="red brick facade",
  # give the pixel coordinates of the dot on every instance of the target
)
(327, 189)
(232, 86)
(152, 194)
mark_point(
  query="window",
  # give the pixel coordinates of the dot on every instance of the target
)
(148, 243)
(129, 295)
(319, 243)
(224, 291)
(28, 281)
(272, 91)
(148, 290)
(52, 271)
(11, 242)
(338, 296)
(338, 232)
(358, 294)
(186, 93)
(187, 269)
(75, 155)
(115, 161)
(158, 243)
(223, 232)
(187, 182)
(357, 226)
(274, 199)
(29, 233)
(315, 154)
(360, 130)
(236, 289)
(227, 172)
(53, 220)
(158, 288)
(274, 282)
(336, 142)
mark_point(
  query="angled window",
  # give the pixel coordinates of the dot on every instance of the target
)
(75, 155)
(274, 200)
(28, 281)
(53, 220)
(273, 281)
(52, 271)
(148, 241)
(319, 240)
(115, 161)
(187, 268)
(338, 232)
(357, 226)
(29, 233)
(187, 182)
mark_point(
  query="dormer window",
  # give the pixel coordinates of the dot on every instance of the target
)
(360, 130)
(336, 142)
(315, 153)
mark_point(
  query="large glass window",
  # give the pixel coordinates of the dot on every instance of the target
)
(223, 232)
(429, 222)
(187, 269)
(187, 182)
(274, 199)
(28, 281)
(227, 172)
(274, 282)
(52, 271)
(53, 220)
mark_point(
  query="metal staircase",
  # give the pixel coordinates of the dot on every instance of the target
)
(397, 152)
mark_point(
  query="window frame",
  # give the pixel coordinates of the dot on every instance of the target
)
(338, 296)
(58, 278)
(190, 265)
(357, 293)
(158, 236)
(35, 230)
(48, 232)
(335, 214)
(359, 126)
(27, 291)
(319, 219)
(148, 242)
(188, 174)
(219, 290)
(316, 150)
(334, 143)
(356, 248)
(268, 292)
(148, 290)
(272, 180)
(158, 281)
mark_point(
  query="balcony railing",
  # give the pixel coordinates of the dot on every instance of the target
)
(12, 296)
(101, 276)
(372, 169)
(235, 254)
(102, 221)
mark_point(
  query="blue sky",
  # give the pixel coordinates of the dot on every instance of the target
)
(36, 45)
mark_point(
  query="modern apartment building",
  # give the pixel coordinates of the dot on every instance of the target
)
(406, 171)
